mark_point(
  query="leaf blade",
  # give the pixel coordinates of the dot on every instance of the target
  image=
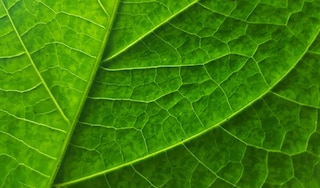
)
(132, 87)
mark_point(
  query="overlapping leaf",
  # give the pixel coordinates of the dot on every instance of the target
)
(162, 92)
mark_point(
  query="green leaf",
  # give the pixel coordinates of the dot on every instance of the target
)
(50, 51)
(155, 103)
(192, 93)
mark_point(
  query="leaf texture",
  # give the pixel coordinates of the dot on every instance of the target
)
(188, 93)
(49, 52)
(211, 95)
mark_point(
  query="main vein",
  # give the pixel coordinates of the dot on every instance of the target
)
(34, 65)
(86, 91)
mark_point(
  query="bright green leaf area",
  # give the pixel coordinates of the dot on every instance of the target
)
(161, 93)
(49, 53)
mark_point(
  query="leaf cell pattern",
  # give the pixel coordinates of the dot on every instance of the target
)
(214, 90)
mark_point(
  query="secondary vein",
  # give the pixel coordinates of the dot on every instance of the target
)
(34, 65)
(150, 31)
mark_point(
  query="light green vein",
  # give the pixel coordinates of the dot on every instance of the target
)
(21, 91)
(34, 170)
(34, 65)
(28, 145)
(150, 31)
(205, 166)
(33, 122)
(142, 176)
(294, 101)
(12, 56)
(83, 18)
(104, 10)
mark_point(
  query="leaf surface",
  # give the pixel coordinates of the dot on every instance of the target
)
(213, 95)
(49, 53)
(189, 93)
